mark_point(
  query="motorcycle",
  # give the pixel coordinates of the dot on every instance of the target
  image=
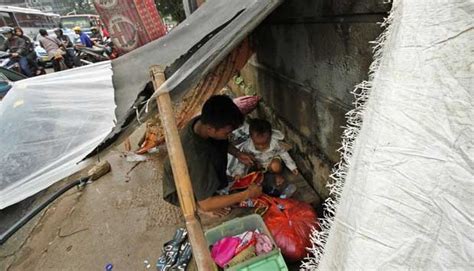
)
(5, 62)
(110, 48)
(100, 52)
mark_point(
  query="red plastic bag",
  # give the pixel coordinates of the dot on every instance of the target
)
(291, 222)
(251, 178)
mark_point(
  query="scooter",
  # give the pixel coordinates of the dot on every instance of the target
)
(5, 62)
(100, 52)
(110, 50)
(90, 55)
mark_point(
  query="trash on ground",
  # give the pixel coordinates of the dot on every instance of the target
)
(147, 264)
(133, 157)
(154, 150)
(176, 253)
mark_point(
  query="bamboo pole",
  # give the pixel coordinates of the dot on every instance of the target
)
(181, 174)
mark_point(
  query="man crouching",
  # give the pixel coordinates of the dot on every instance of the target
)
(205, 143)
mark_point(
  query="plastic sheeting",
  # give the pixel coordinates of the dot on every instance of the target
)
(49, 124)
(190, 51)
(62, 138)
(407, 201)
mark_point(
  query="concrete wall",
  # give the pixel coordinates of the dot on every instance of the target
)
(309, 56)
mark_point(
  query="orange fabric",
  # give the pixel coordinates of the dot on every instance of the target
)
(191, 104)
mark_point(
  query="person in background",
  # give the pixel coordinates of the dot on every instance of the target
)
(17, 48)
(30, 46)
(85, 40)
(70, 57)
(52, 46)
(96, 37)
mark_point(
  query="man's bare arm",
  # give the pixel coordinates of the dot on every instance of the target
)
(223, 201)
(233, 150)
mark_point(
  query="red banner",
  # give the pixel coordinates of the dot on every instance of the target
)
(131, 23)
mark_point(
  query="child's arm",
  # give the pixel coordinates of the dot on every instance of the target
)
(289, 162)
(240, 169)
(242, 156)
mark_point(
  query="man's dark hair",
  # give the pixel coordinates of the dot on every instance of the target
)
(220, 111)
(260, 127)
(43, 32)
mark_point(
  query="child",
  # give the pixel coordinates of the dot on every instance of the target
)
(269, 155)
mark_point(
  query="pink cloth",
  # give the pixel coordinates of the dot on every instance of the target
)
(246, 104)
(224, 250)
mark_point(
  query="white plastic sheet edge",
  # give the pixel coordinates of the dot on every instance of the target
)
(337, 178)
(66, 165)
(354, 119)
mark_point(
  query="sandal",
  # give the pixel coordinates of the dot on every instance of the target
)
(185, 253)
(171, 250)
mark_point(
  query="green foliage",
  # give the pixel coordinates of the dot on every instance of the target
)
(247, 89)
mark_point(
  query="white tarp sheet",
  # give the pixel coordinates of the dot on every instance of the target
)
(408, 197)
(70, 114)
(48, 124)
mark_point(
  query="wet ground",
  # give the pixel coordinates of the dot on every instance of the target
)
(119, 219)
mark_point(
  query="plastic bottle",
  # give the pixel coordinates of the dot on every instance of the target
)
(288, 191)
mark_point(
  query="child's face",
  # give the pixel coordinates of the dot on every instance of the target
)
(261, 141)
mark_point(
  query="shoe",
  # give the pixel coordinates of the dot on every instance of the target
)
(171, 249)
(185, 254)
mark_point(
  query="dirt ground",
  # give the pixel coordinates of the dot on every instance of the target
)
(119, 219)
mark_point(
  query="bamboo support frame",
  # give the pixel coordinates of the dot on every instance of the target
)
(181, 174)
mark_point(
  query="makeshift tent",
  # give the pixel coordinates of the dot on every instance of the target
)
(190, 51)
(403, 193)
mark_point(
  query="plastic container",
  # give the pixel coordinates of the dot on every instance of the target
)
(270, 261)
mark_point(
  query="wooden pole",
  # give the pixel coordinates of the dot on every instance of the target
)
(181, 174)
